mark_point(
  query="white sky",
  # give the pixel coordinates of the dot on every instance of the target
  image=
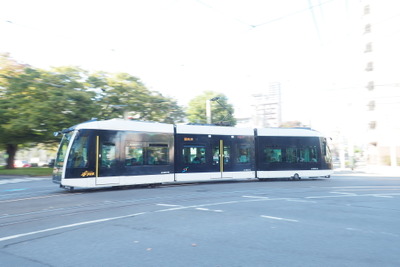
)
(184, 47)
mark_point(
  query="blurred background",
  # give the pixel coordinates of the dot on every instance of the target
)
(330, 65)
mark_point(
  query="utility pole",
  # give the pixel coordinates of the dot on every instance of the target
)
(208, 111)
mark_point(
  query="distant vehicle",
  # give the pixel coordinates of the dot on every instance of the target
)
(22, 164)
(51, 163)
(120, 152)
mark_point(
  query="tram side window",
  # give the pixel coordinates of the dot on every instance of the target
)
(313, 154)
(326, 151)
(226, 155)
(133, 154)
(291, 155)
(194, 154)
(78, 156)
(301, 154)
(215, 152)
(244, 154)
(273, 154)
(108, 155)
(156, 154)
(308, 154)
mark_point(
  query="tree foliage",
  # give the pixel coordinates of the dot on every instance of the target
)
(34, 103)
(122, 94)
(221, 110)
(292, 124)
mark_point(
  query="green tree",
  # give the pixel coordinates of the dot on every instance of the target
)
(221, 110)
(35, 103)
(123, 95)
(291, 124)
(9, 69)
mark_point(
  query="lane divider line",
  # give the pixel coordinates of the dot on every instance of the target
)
(169, 205)
(279, 218)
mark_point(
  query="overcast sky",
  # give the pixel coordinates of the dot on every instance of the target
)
(184, 47)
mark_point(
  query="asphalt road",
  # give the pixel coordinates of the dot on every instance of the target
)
(347, 220)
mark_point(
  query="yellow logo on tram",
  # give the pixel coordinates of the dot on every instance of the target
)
(87, 173)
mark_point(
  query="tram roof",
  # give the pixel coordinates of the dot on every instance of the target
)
(209, 129)
(287, 132)
(127, 125)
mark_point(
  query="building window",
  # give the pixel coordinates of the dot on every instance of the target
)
(372, 125)
(367, 10)
(367, 28)
(370, 66)
(368, 48)
(371, 105)
(370, 86)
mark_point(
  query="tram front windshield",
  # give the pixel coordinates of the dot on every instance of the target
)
(62, 150)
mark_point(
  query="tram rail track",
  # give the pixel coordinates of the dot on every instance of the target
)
(45, 213)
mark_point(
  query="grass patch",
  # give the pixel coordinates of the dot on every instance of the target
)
(32, 171)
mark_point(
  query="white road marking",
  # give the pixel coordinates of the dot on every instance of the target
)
(202, 205)
(383, 195)
(279, 218)
(343, 193)
(284, 198)
(168, 205)
(171, 209)
(315, 197)
(70, 226)
(257, 197)
(205, 209)
(176, 207)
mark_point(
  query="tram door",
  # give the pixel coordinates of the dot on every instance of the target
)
(221, 150)
(106, 161)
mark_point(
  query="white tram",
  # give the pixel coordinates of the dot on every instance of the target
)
(121, 152)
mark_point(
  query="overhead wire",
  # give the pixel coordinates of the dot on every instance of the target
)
(315, 20)
(310, 7)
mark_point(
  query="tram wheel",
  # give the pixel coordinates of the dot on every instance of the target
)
(296, 176)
